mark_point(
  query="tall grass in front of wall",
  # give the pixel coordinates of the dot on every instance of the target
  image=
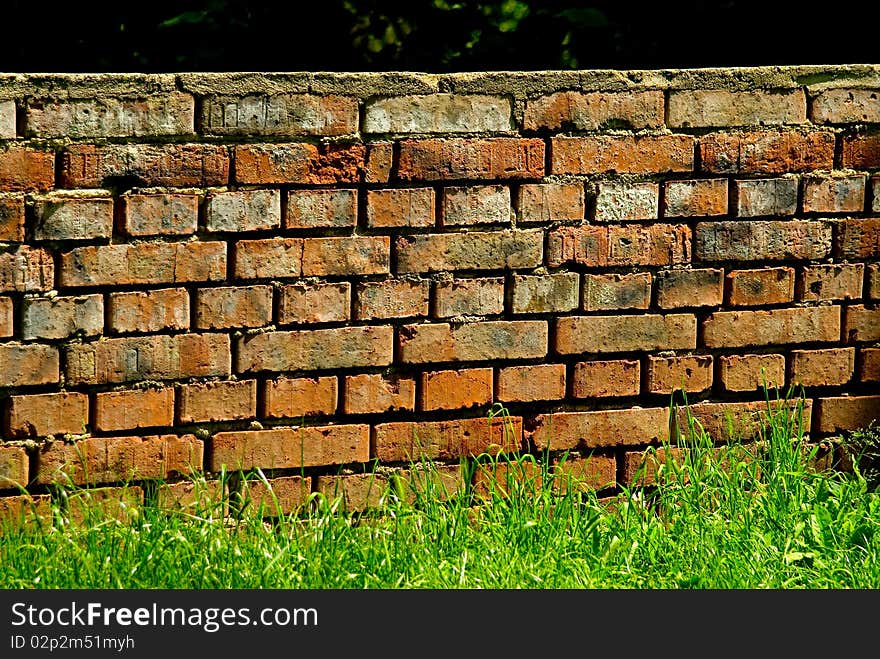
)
(728, 515)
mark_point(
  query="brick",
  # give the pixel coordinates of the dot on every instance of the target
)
(119, 459)
(144, 263)
(690, 288)
(619, 245)
(549, 202)
(838, 281)
(25, 511)
(869, 365)
(455, 389)
(6, 321)
(342, 347)
(846, 413)
(491, 250)
(290, 448)
(862, 323)
(759, 287)
(500, 158)
(217, 401)
(644, 468)
(773, 240)
(22, 365)
(605, 379)
(157, 115)
(268, 258)
(446, 440)
(26, 269)
(374, 393)
(233, 306)
(199, 496)
(379, 163)
(346, 256)
(873, 286)
(13, 469)
(769, 196)
(475, 204)
(858, 239)
(279, 114)
(156, 357)
(822, 368)
(711, 108)
(846, 106)
(47, 414)
(691, 373)
(439, 483)
(501, 478)
(438, 113)
(313, 209)
(875, 192)
(243, 210)
(583, 334)
(616, 291)
(286, 495)
(26, 170)
(322, 302)
(160, 214)
(571, 110)
(733, 329)
(622, 154)
(392, 298)
(135, 408)
(160, 165)
(861, 151)
(62, 316)
(562, 431)
(617, 201)
(102, 504)
(308, 164)
(7, 120)
(525, 384)
(545, 293)
(577, 474)
(695, 198)
(742, 421)
(403, 207)
(355, 492)
(299, 397)
(834, 194)
(12, 218)
(766, 152)
(477, 341)
(751, 372)
(149, 311)
(469, 297)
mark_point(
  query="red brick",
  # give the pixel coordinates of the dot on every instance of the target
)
(751, 372)
(346, 256)
(605, 379)
(861, 151)
(580, 334)
(446, 440)
(846, 413)
(136, 408)
(858, 239)
(438, 113)
(160, 214)
(731, 329)
(321, 302)
(838, 281)
(475, 204)
(6, 323)
(862, 323)
(62, 316)
(149, 311)
(33, 363)
(501, 478)
(560, 431)
(869, 365)
(403, 207)
(469, 297)
(61, 216)
(822, 368)
(619, 201)
(275, 496)
(290, 448)
(12, 218)
(549, 202)
(374, 393)
(577, 474)
(709, 108)
(243, 210)
(26, 269)
(26, 170)
(392, 298)
(13, 469)
(619, 245)
(217, 401)
(47, 414)
(834, 194)
(531, 383)
(279, 114)
(772, 240)
(766, 152)
(689, 288)
(695, 198)
(342, 347)
(456, 389)
(846, 106)
(156, 357)
(299, 397)
(309, 164)
(766, 196)
(380, 162)
(312, 209)
(233, 306)
(622, 154)
(500, 158)
(571, 110)
(690, 373)
(477, 341)
(759, 287)
(491, 250)
(545, 293)
(616, 291)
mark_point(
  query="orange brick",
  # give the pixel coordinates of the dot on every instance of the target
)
(6, 322)
(622, 154)
(311, 209)
(469, 297)
(217, 401)
(233, 306)
(137, 408)
(578, 334)
(846, 413)
(299, 397)
(149, 311)
(26, 170)
(47, 414)
(380, 161)
(869, 365)
(858, 239)
(560, 431)
(616, 291)
(572, 110)
(25, 510)
(872, 291)
(275, 496)
(690, 373)
(392, 298)
(741, 420)
(476, 250)
(605, 379)
(549, 202)
(531, 383)
(689, 288)
(766, 152)
(199, 495)
(834, 194)
(355, 492)
(861, 151)
(619, 245)
(579, 474)
(500, 158)
(486, 340)
(404, 207)
(862, 323)
(322, 302)
(12, 218)
(33, 363)
(731, 329)
(501, 478)
(751, 372)
(26, 269)
(160, 214)
(760, 287)
(452, 390)
(87, 506)
(839, 281)
(822, 368)
(346, 256)
(695, 198)
(374, 393)
(268, 258)
(13, 467)
(309, 164)
(845, 106)
(446, 440)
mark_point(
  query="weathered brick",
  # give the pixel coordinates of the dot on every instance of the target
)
(12, 217)
(47, 414)
(243, 210)
(6, 321)
(22, 365)
(869, 365)
(742, 421)
(290, 448)
(455, 389)
(500, 158)
(571, 110)
(751, 372)
(838, 281)
(618, 201)
(731, 329)
(13, 470)
(490, 250)
(7, 120)
(834, 194)
(822, 368)
(548, 202)
(862, 323)
(846, 106)
(135, 408)
(346, 255)
(873, 286)
(26, 170)
(342, 347)
(644, 468)
(545, 293)
(438, 113)
(25, 269)
(156, 357)
(233, 306)
(310, 164)
(475, 204)
(441, 342)
(773, 240)
(379, 163)
(561, 431)
(204, 497)
(268, 258)
(162, 114)
(619, 245)
(322, 302)
(580, 334)
(101, 504)
(144, 263)
(149, 311)
(217, 401)
(403, 207)
(711, 108)
(531, 383)
(604, 154)
(469, 297)
(275, 496)
(690, 373)
(768, 196)
(695, 198)
(858, 239)
(446, 440)
(766, 152)
(279, 114)
(173, 214)
(26, 511)
(313, 209)
(392, 298)
(62, 316)
(502, 478)
(374, 393)
(605, 379)
(690, 288)
(355, 492)
(616, 291)
(299, 397)
(861, 151)
(846, 413)
(578, 474)
(747, 288)
(875, 194)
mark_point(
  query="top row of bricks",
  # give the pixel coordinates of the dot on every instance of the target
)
(175, 113)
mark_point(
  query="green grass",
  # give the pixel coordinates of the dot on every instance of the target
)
(722, 516)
